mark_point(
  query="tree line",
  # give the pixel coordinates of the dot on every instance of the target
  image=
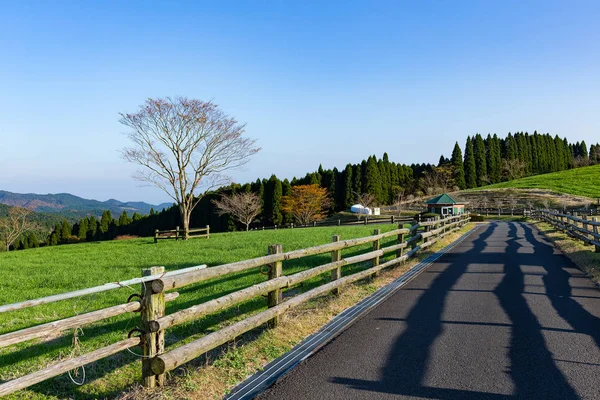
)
(480, 162)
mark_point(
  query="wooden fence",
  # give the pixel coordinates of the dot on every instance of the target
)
(154, 323)
(180, 233)
(580, 228)
(364, 220)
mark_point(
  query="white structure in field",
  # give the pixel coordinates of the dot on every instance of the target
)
(359, 209)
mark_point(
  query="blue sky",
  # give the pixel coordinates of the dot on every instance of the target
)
(316, 82)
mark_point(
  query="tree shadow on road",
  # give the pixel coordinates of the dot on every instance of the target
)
(533, 371)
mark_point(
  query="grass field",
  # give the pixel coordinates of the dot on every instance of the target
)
(583, 181)
(40, 272)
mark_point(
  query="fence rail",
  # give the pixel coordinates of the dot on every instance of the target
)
(363, 220)
(154, 323)
(588, 232)
(180, 233)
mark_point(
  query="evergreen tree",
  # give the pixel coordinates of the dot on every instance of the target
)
(32, 241)
(373, 179)
(459, 170)
(480, 160)
(348, 197)
(64, 233)
(593, 154)
(83, 229)
(105, 222)
(286, 190)
(92, 231)
(469, 165)
(356, 180)
(276, 193)
(124, 219)
(584, 150)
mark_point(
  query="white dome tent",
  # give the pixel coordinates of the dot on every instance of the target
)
(359, 209)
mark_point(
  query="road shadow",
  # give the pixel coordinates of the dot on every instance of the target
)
(559, 289)
(533, 371)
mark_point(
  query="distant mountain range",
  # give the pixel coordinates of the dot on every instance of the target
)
(71, 206)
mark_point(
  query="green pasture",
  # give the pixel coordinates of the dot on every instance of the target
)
(35, 273)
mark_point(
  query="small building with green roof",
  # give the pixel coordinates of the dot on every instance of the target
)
(445, 205)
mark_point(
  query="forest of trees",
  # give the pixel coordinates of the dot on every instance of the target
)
(482, 161)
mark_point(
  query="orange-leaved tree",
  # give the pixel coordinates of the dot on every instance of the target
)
(306, 203)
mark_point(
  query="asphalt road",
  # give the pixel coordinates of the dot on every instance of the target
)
(503, 315)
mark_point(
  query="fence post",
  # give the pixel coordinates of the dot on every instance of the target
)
(176, 233)
(595, 229)
(153, 343)
(339, 222)
(392, 219)
(336, 255)
(400, 240)
(208, 231)
(275, 272)
(156, 236)
(376, 246)
(314, 224)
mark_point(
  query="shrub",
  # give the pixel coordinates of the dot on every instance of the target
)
(476, 217)
(126, 237)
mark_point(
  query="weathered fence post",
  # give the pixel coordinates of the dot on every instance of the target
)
(208, 231)
(275, 271)
(392, 219)
(153, 343)
(376, 246)
(339, 222)
(156, 236)
(336, 255)
(176, 233)
(399, 252)
(597, 239)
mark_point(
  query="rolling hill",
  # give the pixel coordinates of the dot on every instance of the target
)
(583, 181)
(69, 205)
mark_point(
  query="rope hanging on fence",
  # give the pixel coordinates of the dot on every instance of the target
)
(76, 352)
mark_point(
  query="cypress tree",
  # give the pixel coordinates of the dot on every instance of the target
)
(373, 179)
(33, 241)
(92, 230)
(124, 219)
(458, 167)
(105, 222)
(593, 154)
(286, 190)
(469, 165)
(83, 228)
(65, 231)
(276, 193)
(480, 160)
(357, 179)
(348, 197)
(584, 150)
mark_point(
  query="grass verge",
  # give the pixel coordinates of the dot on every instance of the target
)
(581, 254)
(213, 375)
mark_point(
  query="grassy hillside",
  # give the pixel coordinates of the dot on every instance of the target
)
(40, 272)
(579, 182)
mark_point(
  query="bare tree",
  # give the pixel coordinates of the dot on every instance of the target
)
(243, 206)
(498, 203)
(398, 193)
(513, 169)
(512, 202)
(15, 224)
(184, 147)
(484, 203)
